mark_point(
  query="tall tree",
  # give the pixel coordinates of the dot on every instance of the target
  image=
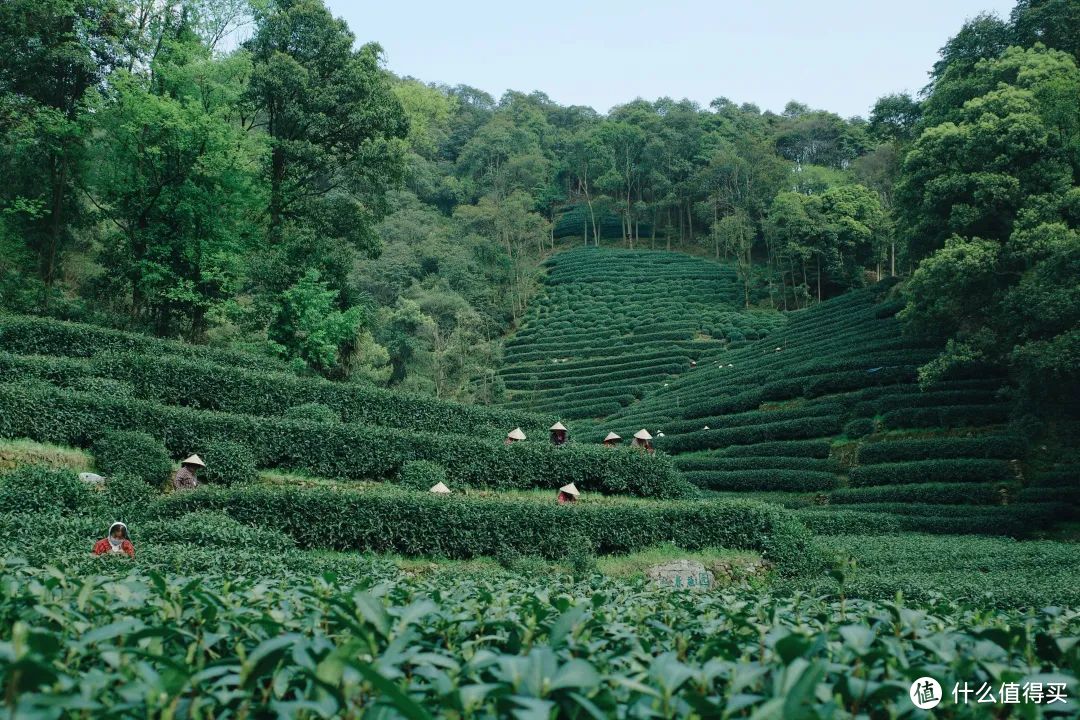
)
(336, 131)
(989, 203)
(54, 55)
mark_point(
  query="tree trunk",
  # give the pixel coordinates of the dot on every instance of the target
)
(59, 167)
(819, 278)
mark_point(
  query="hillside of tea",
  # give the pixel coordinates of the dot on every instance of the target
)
(827, 415)
(611, 325)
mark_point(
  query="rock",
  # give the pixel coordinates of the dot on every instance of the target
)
(681, 575)
(91, 478)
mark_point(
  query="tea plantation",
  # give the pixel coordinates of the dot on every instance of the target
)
(313, 576)
(611, 325)
(826, 416)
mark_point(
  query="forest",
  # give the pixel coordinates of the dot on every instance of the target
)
(287, 194)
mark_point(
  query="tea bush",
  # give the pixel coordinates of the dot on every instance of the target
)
(457, 526)
(421, 475)
(228, 463)
(290, 646)
(33, 489)
(951, 470)
(316, 412)
(338, 450)
(129, 452)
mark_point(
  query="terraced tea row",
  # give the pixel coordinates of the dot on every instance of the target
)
(826, 415)
(190, 403)
(611, 325)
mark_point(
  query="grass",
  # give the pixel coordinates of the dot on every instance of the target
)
(14, 453)
(727, 565)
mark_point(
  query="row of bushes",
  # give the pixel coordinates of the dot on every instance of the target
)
(753, 462)
(810, 427)
(1002, 447)
(789, 480)
(754, 417)
(42, 412)
(465, 527)
(585, 368)
(918, 399)
(930, 493)
(201, 384)
(627, 377)
(26, 335)
(890, 518)
(954, 416)
(928, 471)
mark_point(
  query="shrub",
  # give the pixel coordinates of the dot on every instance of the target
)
(215, 529)
(950, 416)
(132, 453)
(775, 462)
(228, 463)
(421, 474)
(33, 489)
(941, 471)
(316, 412)
(792, 480)
(929, 493)
(44, 336)
(467, 527)
(787, 448)
(810, 427)
(106, 387)
(339, 450)
(859, 427)
(128, 496)
(848, 522)
(987, 446)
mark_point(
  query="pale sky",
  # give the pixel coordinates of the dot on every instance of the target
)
(837, 55)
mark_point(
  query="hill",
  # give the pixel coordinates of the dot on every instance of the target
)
(826, 415)
(610, 325)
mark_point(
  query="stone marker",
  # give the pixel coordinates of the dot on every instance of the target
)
(681, 574)
(91, 478)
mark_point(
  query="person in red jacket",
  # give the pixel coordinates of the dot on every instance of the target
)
(116, 542)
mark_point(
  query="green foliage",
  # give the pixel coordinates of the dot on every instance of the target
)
(308, 328)
(313, 411)
(338, 450)
(285, 620)
(33, 489)
(859, 427)
(214, 529)
(128, 496)
(27, 335)
(421, 475)
(228, 463)
(612, 325)
(948, 470)
(457, 526)
(131, 452)
(206, 384)
(985, 201)
(1003, 447)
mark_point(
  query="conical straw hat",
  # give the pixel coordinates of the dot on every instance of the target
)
(193, 460)
(516, 434)
(612, 436)
(643, 434)
(440, 489)
(570, 489)
(558, 426)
